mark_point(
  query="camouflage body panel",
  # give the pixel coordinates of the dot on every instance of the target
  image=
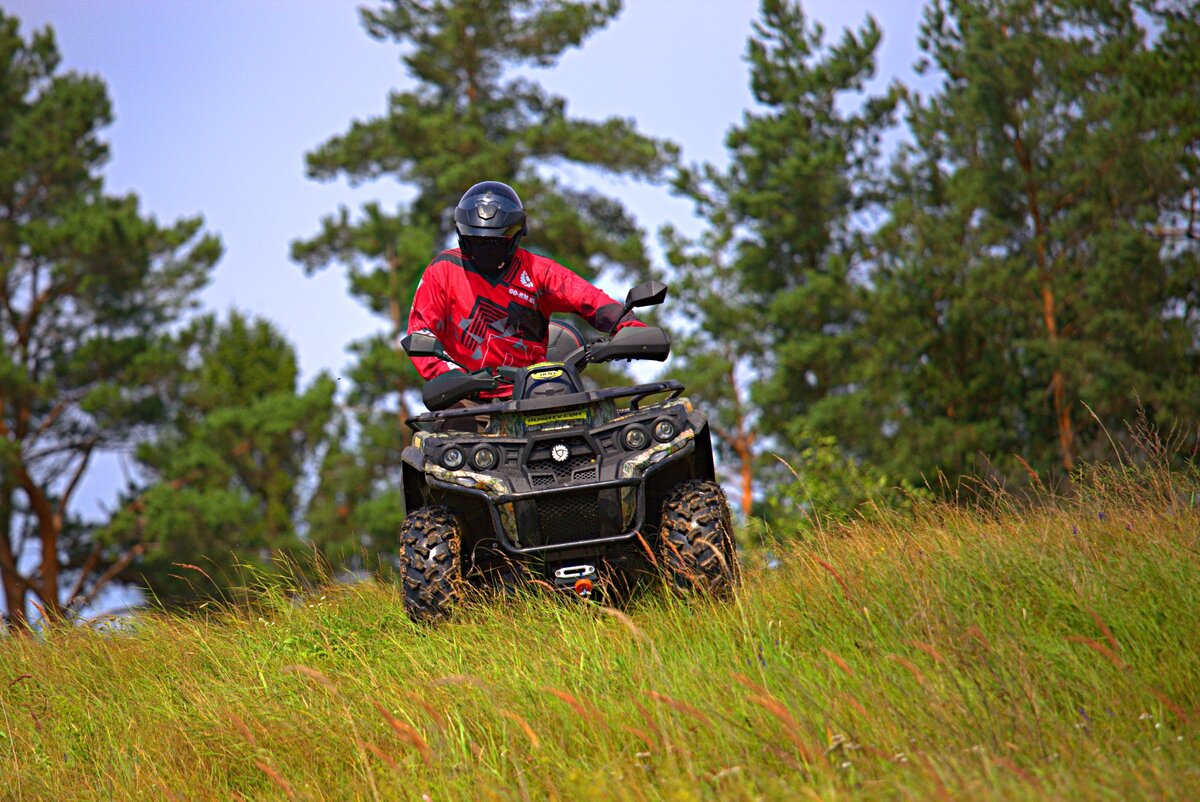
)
(637, 466)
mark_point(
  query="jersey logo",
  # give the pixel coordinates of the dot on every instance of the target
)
(489, 319)
(526, 281)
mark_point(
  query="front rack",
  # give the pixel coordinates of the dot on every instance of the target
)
(428, 421)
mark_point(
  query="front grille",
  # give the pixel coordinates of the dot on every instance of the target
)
(548, 471)
(568, 516)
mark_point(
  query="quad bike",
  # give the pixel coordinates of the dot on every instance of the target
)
(584, 490)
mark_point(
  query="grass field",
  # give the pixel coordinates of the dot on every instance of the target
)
(972, 654)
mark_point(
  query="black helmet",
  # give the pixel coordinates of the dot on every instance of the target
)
(490, 221)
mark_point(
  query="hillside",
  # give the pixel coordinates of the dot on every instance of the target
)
(994, 653)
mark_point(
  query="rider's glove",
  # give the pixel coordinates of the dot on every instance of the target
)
(628, 322)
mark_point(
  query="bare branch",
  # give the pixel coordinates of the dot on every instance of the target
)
(88, 566)
(74, 483)
(112, 572)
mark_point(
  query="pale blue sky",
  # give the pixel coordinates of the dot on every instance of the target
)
(216, 102)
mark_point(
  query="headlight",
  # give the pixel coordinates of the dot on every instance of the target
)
(453, 458)
(635, 438)
(484, 458)
(664, 430)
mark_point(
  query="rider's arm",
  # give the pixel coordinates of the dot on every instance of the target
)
(564, 291)
(429, 314)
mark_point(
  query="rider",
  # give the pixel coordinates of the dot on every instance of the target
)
(489, 301)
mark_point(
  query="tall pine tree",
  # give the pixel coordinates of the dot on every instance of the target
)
(1038, 256)
(88, 287)
(774, 282)
(226, 471)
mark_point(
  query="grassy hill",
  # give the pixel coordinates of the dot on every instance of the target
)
(991, 653)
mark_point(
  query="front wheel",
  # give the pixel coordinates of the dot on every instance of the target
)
(697, 538)
(429, 562)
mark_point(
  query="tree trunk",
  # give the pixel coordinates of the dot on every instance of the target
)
(1058, 390)
(743, 440)
(49, 527)
(14, 583)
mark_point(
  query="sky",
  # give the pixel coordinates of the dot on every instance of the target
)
(217, 101)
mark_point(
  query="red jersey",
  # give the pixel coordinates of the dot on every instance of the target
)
(490, 320)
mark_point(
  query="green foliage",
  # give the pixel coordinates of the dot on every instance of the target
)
(819, 485)
(228, 466)
(1037, 257)
(1040, 653)
(770, 286)
(88, 287)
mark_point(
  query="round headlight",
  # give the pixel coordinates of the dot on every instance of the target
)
(484, 458)
(664, 430)
(453, 458)
(635, 438)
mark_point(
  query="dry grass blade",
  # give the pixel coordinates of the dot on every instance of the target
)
(682, 707)
(977, 634)
(276, 778)
(312, 674)
(791, 727)
(649, 551)
(195, 568)
(243, 729)
(573, 702)
(461, 679)
(908, 664)
(167, 792)
(627, 622)
(379, 753)
(534, 741)
(1009, 765)
(836, 575)
(929, 650)
(407, 733)
(1037, 480)
(746, 682)
(1108, 636)
(1179, 712)
(853, 701)
(650, 743)
(1101, 649)
(437, 716)
(842, 664)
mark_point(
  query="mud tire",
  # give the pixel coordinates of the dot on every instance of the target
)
(697, 545)
(430, 568)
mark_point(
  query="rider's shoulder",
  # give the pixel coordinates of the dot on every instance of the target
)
(452, 256)
(537, 259)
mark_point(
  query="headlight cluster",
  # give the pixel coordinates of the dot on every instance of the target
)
(635, 437)
(483, 458)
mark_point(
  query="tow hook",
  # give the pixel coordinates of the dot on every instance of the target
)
(577, 578)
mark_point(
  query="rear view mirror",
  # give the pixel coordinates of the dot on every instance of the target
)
(650, 293)
(422, 343)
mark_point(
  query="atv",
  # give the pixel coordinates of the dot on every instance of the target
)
(585, 490)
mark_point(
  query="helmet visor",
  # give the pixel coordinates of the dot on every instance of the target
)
(487, 232)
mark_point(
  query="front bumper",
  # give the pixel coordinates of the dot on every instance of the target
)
(558, 518)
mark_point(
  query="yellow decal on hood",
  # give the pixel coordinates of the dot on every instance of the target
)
(556, 417)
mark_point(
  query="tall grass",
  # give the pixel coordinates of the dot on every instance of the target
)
(1005, 651)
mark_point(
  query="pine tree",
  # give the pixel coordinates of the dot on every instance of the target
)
(227, 469)
(88, 287)
(772, 282)
(1037, 258)
(468, 118)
